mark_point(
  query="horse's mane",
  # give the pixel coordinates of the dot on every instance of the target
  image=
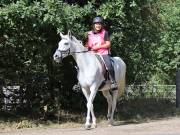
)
(76, 40)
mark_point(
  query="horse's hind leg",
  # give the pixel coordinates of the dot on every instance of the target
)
(108, 96)
(114, 102)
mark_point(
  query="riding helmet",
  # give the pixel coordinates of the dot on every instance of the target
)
(98, 20)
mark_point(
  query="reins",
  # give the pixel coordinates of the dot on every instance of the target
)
(81, 51)
(68, 50)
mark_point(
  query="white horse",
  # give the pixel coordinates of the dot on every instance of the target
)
(91, 75)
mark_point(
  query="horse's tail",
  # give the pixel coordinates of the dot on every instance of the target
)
(121, 71)
(121, 87)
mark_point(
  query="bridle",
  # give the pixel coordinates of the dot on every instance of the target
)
(68, 52)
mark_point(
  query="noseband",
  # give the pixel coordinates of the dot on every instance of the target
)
(64, 52)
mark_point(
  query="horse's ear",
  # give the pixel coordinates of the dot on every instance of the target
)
(61, 34)
(69, 34)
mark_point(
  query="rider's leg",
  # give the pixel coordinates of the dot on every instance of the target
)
(110, 68)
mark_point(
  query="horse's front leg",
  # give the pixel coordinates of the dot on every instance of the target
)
(86, 93)
(93, 118)
(93, 91)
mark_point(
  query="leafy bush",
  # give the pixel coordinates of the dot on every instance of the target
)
(143, 33)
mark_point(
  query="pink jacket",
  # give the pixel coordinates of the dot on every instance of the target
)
(97, 38)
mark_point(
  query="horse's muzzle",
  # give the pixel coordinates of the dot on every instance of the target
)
(57, 58)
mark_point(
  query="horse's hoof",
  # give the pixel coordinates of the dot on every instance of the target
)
(93, 126)
(87, 127)
(110, 123)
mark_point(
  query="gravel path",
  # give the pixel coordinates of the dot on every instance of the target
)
(170, 126)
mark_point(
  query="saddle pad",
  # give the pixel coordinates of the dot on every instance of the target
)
(101, 61)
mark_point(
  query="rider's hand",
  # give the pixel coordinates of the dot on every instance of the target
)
(96, 47)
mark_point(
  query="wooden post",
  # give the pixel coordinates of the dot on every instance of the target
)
(178, 88)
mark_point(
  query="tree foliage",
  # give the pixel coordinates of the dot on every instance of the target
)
(169, 50)
(144, 33)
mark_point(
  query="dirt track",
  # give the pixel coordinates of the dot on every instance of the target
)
(169, 126)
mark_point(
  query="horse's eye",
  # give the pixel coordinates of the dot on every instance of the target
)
(66, 43)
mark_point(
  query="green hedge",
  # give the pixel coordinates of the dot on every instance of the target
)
(143, 33)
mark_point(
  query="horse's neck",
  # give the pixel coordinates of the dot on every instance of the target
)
(82, 59)
(85, 59)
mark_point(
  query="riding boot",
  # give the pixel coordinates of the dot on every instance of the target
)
(113, 80)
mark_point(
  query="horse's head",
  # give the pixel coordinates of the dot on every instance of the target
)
(64, 47)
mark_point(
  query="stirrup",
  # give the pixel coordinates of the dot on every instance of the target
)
(114, 86)
(76, 88)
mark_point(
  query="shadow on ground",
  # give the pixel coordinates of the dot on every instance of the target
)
(139, 110)
(128, 111)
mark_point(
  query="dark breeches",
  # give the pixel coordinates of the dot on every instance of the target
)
(109, 66)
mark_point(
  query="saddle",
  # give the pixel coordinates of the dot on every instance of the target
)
(105, 69)
(106, 74)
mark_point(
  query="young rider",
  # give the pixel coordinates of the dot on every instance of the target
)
(98, 41)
